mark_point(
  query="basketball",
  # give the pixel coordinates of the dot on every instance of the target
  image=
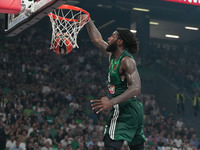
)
(62, 44)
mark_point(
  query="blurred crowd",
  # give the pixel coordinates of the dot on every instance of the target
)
(163, 131)
(180, 61)
(45, 101)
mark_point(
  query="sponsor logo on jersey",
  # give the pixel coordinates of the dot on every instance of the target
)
(114, 68)
(111, 89)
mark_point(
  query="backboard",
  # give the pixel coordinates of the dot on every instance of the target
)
(30, 13)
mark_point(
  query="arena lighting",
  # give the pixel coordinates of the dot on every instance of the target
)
(172, 36)
(191, 28)
(190, 2)
(133, 31)
(153, 23)
(99, 5)
(141, 9)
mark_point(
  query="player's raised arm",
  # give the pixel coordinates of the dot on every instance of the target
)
(95, 36)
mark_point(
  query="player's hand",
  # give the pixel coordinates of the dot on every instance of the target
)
(83, 18)
(103, 104)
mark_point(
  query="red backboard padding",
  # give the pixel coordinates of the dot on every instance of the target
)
(10, 6)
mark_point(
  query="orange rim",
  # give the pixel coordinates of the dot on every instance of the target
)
(51, 15)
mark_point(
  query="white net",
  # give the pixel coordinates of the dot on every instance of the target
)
(66, 26)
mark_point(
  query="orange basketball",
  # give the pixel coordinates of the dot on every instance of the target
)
(62, 44)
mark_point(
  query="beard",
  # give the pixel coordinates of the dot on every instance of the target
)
(112, 47)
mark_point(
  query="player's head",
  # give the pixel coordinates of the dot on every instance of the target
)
(129, 40)
(112, 42)
(112, 47)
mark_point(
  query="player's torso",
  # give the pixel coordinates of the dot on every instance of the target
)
(117, 82)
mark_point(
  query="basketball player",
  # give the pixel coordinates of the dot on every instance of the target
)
(125, 122)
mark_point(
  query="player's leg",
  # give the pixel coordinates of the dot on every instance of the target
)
(110, 144)
(137, 147)
(137, 143)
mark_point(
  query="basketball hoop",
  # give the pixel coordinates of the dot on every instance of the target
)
(64, 22)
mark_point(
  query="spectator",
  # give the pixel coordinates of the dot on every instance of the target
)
(11, 143)
(166, 146)
(180, 101)
(28, 111)
(22, 144)
(75, 142)
(53, 132)
(2, 134)
(47, 138)
(190, 133)
(36, 146)
(64, 142)
(164, 112)
(178, 141)
(196, 103)
(100, 143)
(17, 146)
(47, 146)
(13, 116)
(2, 114)
(34, 131)
(81, 146)
(174, 146)
(194, 141)
(179, 124)
(59, 147)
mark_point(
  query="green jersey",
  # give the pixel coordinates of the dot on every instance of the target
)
(125, 121)
(116, 85)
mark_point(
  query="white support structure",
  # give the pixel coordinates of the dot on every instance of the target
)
(27, 9)
(30, 12)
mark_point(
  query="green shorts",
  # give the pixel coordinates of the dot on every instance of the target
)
(125, 122)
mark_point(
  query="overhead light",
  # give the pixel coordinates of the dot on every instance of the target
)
(172, 36)
(191, 28)
(99, 5)
(141, 9)
(133, 31)
(153, 23)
